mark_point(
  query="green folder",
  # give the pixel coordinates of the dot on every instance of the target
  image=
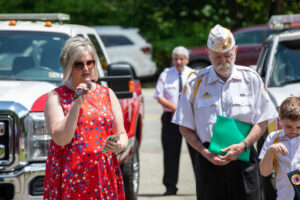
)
(229, 131)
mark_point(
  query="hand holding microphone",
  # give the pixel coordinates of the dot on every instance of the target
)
(81, 91)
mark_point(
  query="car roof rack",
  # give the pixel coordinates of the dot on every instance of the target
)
(282, 22)
(34, 16)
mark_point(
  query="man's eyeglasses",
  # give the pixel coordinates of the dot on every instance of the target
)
(80, 65)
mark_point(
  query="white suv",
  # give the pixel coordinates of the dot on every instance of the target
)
(126, 45)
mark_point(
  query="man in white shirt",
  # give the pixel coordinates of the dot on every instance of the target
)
(167, 93)
(227, 90)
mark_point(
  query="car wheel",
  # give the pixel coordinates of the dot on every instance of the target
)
(131, 174)
(199, 65)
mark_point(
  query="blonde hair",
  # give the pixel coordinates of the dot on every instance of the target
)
(75, 48)
(290, 109)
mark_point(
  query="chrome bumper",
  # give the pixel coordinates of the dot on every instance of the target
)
(21, 180)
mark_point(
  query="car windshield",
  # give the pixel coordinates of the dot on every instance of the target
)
(27, 55)
(286, 64)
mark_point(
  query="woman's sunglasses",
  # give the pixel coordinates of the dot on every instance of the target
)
(80, 65)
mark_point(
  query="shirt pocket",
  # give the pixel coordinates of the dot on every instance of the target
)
(206, 110)
(241, 108)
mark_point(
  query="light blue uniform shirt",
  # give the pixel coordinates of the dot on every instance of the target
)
(242, 97)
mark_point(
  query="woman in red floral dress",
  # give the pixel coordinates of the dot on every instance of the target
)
(81, 164)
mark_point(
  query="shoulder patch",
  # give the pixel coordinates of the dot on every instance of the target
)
(160, 79)
(163, 74)
(264, 88)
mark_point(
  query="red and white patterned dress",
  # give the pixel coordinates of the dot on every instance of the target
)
(80, 170)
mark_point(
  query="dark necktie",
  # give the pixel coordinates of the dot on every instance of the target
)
(180, 82)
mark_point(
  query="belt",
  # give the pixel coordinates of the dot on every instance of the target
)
(168, 112)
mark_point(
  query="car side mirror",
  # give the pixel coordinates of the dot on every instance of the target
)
(120, 79)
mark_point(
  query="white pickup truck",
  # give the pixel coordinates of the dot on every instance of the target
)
(278, 65)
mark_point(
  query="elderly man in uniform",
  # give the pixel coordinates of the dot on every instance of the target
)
(168, 88)
(228, 90)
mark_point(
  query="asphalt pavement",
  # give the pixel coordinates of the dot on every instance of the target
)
(151, 158)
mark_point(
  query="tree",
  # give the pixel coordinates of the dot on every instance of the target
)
(165, 23)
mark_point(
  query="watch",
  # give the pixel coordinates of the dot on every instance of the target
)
(246, 146)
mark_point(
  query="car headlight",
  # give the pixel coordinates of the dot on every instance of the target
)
(38, 137)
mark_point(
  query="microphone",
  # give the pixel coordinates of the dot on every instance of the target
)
(79, 92)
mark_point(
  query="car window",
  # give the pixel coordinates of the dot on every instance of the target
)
(253, 36)
(286, 64)
(31, 55)
(99, 51)
(115, 40)
(249, 37)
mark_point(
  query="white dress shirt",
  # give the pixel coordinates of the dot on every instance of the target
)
(167, 85)
(242, 97)
(288, 163)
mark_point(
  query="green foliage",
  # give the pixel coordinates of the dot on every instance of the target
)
(164, 23)
(188, 35)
